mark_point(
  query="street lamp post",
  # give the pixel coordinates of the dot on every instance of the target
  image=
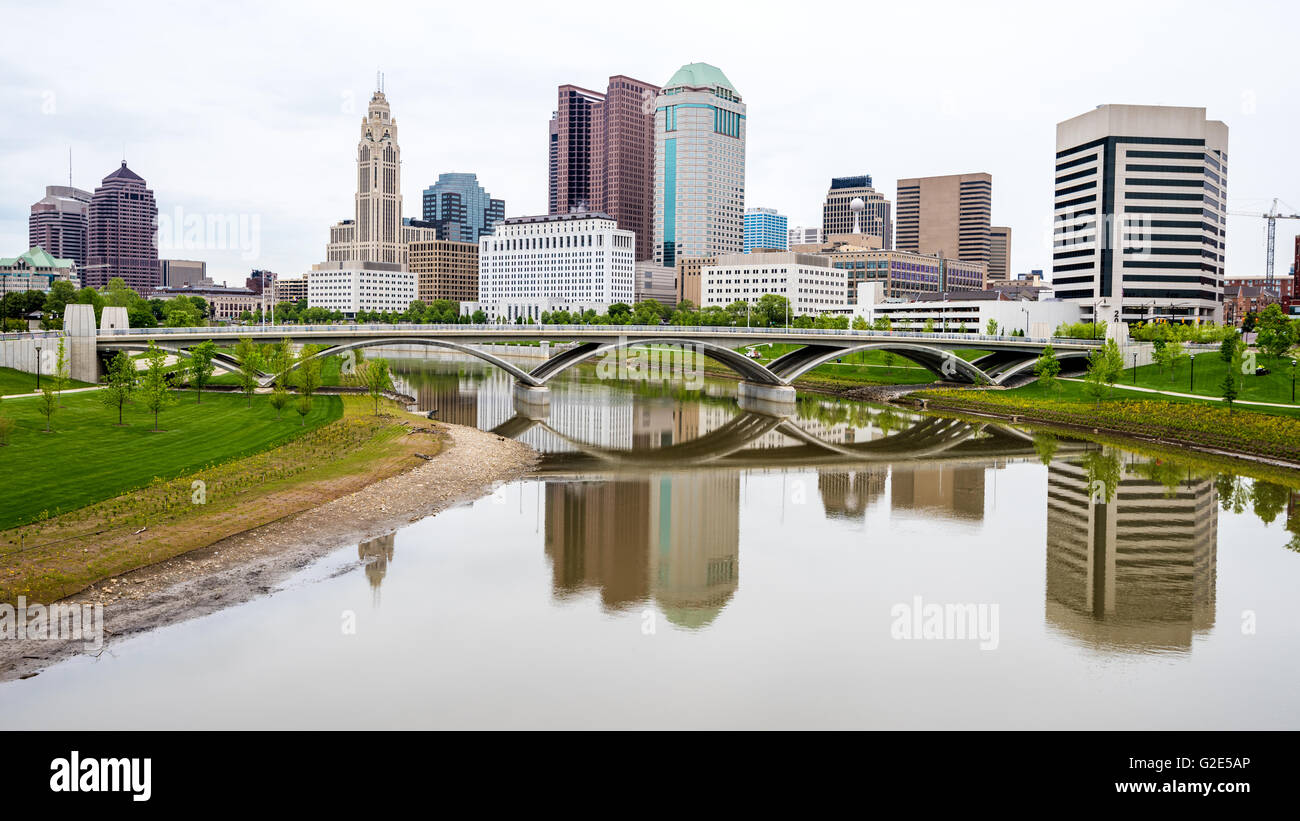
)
(1293, 381)
(1025, 311)
(1191, 377)
(38, 367)
(1135, 368)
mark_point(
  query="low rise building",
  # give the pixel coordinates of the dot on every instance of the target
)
(570, 262)
(904, 273)
(445, 269)
(353, 286)
(657, 282)
(177, 273)
(291, 289)
(224, 304)
(968, 311)
(1241, 300)
(811, 283)
(689, 270)
(36, 270)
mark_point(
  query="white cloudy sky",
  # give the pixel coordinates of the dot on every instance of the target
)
(252, 109)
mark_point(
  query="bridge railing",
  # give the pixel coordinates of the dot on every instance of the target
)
(523, 331)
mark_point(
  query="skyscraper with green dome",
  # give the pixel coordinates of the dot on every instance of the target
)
(699, 186)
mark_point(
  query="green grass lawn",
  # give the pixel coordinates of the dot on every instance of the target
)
(1074, 392)
(12, 381)
(1209, 372)
(88, 458)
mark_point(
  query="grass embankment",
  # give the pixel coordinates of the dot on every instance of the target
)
(88, 457)
(12, 381)
(57, 557)
(1206, 378)
(1194, 422)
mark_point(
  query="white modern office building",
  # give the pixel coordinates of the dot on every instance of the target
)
(802, 235)
(968, 311)
(1140, 213)
(699, 176)
(810, 282)
(571, 262)
(354, 286)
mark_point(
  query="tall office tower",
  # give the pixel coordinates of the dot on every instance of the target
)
(799, 235)
(120, 242)
(1141, 212)
(602, 154)
(58, 223)
(699, 166)
(765, 228)
(461, 208)
(572, 122)
(945, 215)
(999, 253)
(375, 233)
(623, 167)
(839, 217)
(553, 163)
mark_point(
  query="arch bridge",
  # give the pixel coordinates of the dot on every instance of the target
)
(1003, 356)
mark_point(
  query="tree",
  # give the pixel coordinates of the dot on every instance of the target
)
(49, 403)
(1104, 367)
(1174, 353)
(882, 323)
(860, 323)
(153, 386)
(1047, 368)
(991, 328)
(772, 309)
(929, 325)
(201, 367)
(308, 372)
(279, 397)
(1230, 387)
(378, 380)
(60, 376)
(249, 363)
(120, 384)
(1228, 348)
(1274, 330)
(61, 293)
(303, 407)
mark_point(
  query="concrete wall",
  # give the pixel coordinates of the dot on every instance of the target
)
(79, 346)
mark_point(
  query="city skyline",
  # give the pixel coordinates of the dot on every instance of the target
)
(190, 143)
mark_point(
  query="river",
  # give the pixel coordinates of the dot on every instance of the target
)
(676, 562)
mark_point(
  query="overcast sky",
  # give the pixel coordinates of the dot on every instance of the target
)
(251, 110)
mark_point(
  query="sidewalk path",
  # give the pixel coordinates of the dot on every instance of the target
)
(69, 390)
(1191, 395)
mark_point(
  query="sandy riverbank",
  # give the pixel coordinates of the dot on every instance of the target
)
(253, 563)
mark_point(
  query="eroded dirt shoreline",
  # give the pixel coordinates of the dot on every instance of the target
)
(253, 563)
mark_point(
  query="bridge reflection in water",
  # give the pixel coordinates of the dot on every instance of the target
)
(642, 498)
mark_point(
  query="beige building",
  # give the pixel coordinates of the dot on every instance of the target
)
(290, 290)
(445, 269)
(688, 277)
(655, 282)
(376, 233)
(903, 274)
(224, 304)
(945, 215)
(999, 253)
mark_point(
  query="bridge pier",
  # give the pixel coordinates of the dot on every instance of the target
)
(772, 400)
(532, 401)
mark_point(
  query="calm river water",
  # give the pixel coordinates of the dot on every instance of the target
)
(676, 562)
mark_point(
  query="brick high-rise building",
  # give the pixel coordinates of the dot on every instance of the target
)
(945, 215)
(59, 221)
(445, 269)
(601, 154)
(123, 218)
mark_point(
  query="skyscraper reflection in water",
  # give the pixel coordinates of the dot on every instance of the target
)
(673, 539)
(1130, 560)
(375, 555)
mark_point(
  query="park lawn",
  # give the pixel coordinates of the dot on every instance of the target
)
(1076, 392)
(12, 381)
(88, 457)
(1209, 372)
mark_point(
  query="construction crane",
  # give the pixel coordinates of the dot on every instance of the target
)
(1272, 216)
